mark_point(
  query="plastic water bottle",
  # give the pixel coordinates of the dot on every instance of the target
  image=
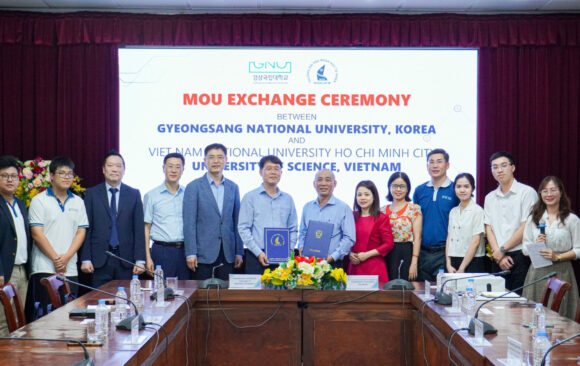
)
(468, 305)
(159, 284)
(158, 277)
(439, 278)
(471, 283)
(454, 299)
(121, 304)
(102, 320)
(539, 322)
(135, 289)
(541, 345)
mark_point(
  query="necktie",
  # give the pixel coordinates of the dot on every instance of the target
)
(114, 239)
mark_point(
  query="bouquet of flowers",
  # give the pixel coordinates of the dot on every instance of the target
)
(35, 178)
(305, 272)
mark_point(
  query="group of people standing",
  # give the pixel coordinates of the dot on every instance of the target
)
(205, 228)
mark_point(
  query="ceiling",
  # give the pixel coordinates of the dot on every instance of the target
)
(304, 6)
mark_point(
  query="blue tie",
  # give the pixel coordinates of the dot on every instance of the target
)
(114, 239)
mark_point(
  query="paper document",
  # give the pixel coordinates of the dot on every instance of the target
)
(534, 252)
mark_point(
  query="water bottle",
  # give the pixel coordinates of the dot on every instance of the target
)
(439, 277)
(158, 277)
(471, 283)
(539, 322)
(135, 289)
(101, 321)
(159, 284)
(541, 345)
(468, 306)
(121, 304)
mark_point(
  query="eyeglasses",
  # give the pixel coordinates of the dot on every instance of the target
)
(65, 174)
(395, 187)
(552, 191)
(7, 177)
(502, 166)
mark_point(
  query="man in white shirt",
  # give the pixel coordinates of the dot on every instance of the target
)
(506, 210)
(58, 223)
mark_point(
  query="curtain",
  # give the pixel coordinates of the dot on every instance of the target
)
(59, 86)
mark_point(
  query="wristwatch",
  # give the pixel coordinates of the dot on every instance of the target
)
(558, 257)
(502, 249)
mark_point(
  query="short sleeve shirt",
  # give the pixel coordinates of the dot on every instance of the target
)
(402, 221)
(60, 223)
(463, 225)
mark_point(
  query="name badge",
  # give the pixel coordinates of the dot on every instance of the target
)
(245, 282)
(360, 282)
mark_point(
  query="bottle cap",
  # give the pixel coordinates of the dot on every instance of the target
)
(135, 277)
(158, 266)
(121, 288)
(542, 334)
(539, 305)
(441, 270)
(101, 302)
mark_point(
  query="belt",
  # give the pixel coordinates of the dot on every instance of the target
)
(175, 244)
(433, 248)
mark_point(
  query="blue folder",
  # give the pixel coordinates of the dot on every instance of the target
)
(277, 244)
(317, 239)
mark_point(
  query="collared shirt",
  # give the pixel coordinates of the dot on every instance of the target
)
(506, 212)
(338, 214)
(463, 225)
(163, 210)
(436, 203)
(218, 191)
(60, 222)
(110, 195)
(21, 246)
(258, 211)
(559, 237)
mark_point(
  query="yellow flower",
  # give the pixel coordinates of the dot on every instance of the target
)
(305, 280)
(266, 276)
(338, 274)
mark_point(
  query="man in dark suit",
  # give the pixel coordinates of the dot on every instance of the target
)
(15, 239)
(210, 219)
(115, 214)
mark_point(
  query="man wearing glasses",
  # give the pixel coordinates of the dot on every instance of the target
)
(58, 223)
(15, 239)
(211, 205)
(506, 210)
(436, 199)
(265, 207)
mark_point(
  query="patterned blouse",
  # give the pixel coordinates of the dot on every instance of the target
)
(402, 221)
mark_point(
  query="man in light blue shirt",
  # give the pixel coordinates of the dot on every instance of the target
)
(265, 207)
(164, 221)
(327, 208)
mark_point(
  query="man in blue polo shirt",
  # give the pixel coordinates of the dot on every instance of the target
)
(436, 199)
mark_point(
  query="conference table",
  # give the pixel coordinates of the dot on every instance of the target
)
(290, 327)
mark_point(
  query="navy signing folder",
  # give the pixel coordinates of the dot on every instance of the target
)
(317, 239)
(277, 244)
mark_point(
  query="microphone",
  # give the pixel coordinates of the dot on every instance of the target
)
(488, 328)
(169, 294)
(399, 284)
(86, 362)
(213, 282)
(556, 345)
(124, 324)
(542, 226)
(442, 298)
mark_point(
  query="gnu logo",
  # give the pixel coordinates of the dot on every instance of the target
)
(270, 67)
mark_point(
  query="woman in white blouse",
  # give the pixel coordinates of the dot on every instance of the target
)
(465, 251)
(562, 238)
